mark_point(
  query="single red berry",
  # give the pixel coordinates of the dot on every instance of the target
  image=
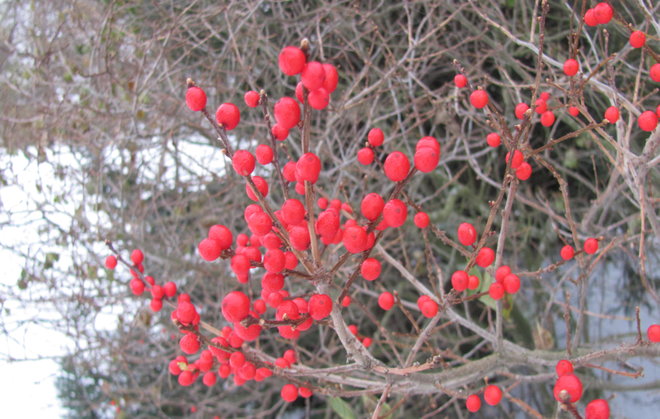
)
(567, 252)
(428, 141)
(637, 39)
(262, 187)
(421, 219)
(479, 99)
(293, 211)
(571, 67)
(524, 171)
(568, 387)
(320, 306)
(299, 236)
(186, 378)
(492, 395)
(291, 60)
(111, 262)
(520, 110)
(612, 114)
(346, 301)
(264, 154)
(137, 286)
(590, 246)
(460, 80)
(235, 306)
(370, 269)
(243, 162)
(426, 159)
(493, 139)
(653, 333)
(308, 168)
(541, 105)
(386, 300)
(467, 234)
(473, 403)
(574, 111)
(501, 272)
(564, 367)
(547, 118)
(597, 409)
(365, 156)
(313, 75)
(287, 112)
(279, 132)
(289, 393)
(376, 137)
(603, 13)
(195, 98)
(137, 257)
(473, 282)
(157, 292)
(156, 304)
(428, 307)
(396, 166)
(209, 379)
(228, 116)
(331, 77)
(518, 159)
(544, 96)
(372, 206)
(511, 283)
(274, 260)
(318, 99)
(185, 312)
(395, 213)
(647, 121)
(654, 72)
(485, 257)
(590, 18)
(189, 343)
(496, 291)
(459, 280)
(209, 249)
(251, 98)
(170, 289)
(355, 239)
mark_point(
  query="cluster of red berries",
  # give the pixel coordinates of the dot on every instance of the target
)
(366, 341)
(492, 396)
(568, 389)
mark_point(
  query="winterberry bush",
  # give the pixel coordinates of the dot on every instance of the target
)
(424, 236)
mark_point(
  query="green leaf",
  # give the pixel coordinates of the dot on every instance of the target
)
(342, 408)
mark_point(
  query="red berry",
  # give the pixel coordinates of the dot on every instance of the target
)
(421, 219)
(289, 393)
(355, 239)
(299, 236)
(185, 312)
(511, 283)
(111, 262)
(524, 171)
(518, 159)
(544, 96)
(264, 154)
(473, 403)
(346, 301)
(570, 385)
(305, 392)
(308, 168)
(235, 306)
(467, 234)
(137, 257)
(331, 78)
(647, 121)
(243, 162)
(396, 166)
(460, 80)
(262, 187)
(318, 99)
(195, 98)
(156, 304)
(603, 13)
(485, 257)
(428, 307)
(372, 206)
(395, 213)
(376, 137)
(293, 211)
(137, 286)
(590, 18)
(189, 343)
(541, 104)
(251, 98)
(653, 333)
(564, 367)
(386, 300)
(186, 378)
(459, 280)
(501, 272)
(274, 260)
(157, 292)
(228, 116)
(209, 249)
(170, 289)
(571, 67)
(567, 252)
(370, 269)
(209, 379)
(291, 60)
(612, 114)
(496, 291)
(520, 110)
(428, 141)
(320, 306)
(574, 111)
(473, 282)
(637, 39)
(590, 246)
(287, 112)
(597, 409)
(367, 342)
(365, 156)
(313, 75)
(279, 132)
(492, 395)
(654, 72)
(479, 99)
(493, 139)
(547, 118)
(426, 159)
